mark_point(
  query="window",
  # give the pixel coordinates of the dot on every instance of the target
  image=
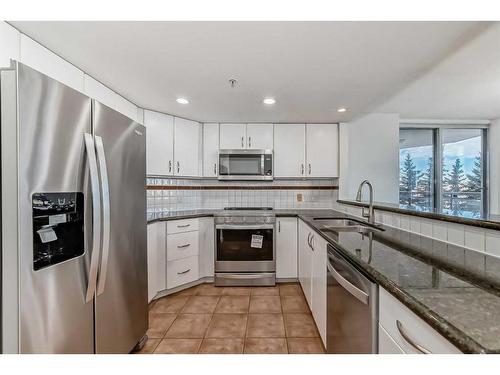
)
(416, 165)
(443, 168)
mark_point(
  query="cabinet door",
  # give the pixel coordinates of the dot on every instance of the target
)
(386, 344)
(207, 246)
(305, 261)
(186, 147)
(159, 143)
(260, 136)
(319, 259)
(232, 136)
(161, 256)
(152, 261)
(322, 156)
(286, 248)
(289, 150)
(210, 150)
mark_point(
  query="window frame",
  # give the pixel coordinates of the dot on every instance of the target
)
(437, 130)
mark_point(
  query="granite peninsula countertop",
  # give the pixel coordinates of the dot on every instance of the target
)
(455, 290)
(487, 221)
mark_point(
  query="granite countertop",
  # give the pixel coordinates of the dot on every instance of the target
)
(453, 289)
(488, 221)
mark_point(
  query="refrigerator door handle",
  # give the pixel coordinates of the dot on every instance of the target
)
(96, 217)
(106, 219)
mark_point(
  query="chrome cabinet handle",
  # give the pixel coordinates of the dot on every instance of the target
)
(309, 239)
(409, 340)
(96, 216)
(352, 289)
(184, 272)
(106, 223)
(242, 142)
(279, 226)
(183, 246)
(215, 169)
(302, 169)
(170, 165)
(183, 226)
(249, 141)
(309, 168)
(178, 167)
(312, 242)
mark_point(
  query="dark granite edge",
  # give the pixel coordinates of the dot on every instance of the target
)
(179, 217)
(456, 336)
(486, 224)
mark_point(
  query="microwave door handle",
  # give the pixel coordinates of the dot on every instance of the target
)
(352, 289)
(101, 157)
(96, 217)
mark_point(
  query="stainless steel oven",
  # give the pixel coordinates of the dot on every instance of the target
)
(246, 165)
(245, 247)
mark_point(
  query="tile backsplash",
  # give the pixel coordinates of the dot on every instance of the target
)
(170, 194)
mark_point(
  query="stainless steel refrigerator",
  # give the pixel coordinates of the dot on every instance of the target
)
(74, 274)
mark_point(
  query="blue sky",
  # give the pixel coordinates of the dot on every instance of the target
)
(466, 150)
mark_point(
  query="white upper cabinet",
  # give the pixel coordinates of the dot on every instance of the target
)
(322, 150)
(259, 136)
(210, 150)
(232, 136)
(9, 42)
(186, 147)
(289, 146)
(159, 143)
(48, 63)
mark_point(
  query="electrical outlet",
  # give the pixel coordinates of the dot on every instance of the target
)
(299, 197)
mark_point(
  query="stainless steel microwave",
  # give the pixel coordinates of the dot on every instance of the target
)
(246, 165)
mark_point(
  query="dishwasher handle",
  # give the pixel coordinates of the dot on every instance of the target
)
(352, 289)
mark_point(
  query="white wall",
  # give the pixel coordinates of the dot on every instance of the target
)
(17, 46)
(369, 149)
(494, 168)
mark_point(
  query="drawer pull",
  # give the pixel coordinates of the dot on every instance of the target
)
(183, 226)
(184, 272)
(183, 246)
(407, 338)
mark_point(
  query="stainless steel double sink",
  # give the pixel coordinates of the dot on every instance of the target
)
(342, 224)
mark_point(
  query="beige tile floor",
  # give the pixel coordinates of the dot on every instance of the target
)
(253, 320)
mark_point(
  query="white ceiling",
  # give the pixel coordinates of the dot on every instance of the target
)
(311, 68)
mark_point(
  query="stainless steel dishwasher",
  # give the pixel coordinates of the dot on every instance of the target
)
(352, 303)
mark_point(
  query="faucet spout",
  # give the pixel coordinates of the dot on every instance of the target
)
(370, 215)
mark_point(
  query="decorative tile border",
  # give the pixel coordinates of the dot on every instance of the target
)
(241, 187)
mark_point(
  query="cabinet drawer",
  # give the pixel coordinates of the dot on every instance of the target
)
(182, 245)
(179, 226)
(182, 271)
(415, 329)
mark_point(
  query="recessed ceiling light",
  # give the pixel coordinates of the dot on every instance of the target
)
(182, 101)
(269, 101)
(341, 109)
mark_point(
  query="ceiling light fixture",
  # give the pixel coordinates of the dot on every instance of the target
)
(182, 101)
(269, 101)
(342, 109)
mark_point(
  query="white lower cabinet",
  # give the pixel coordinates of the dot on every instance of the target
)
(156, 233)
(286, 247)
(179, 252)
(207, 246)
(386, 344)
(407, 330)
(182, 271)
(305, 261)
(312, 274)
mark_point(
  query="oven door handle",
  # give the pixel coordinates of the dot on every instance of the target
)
(237, 227)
